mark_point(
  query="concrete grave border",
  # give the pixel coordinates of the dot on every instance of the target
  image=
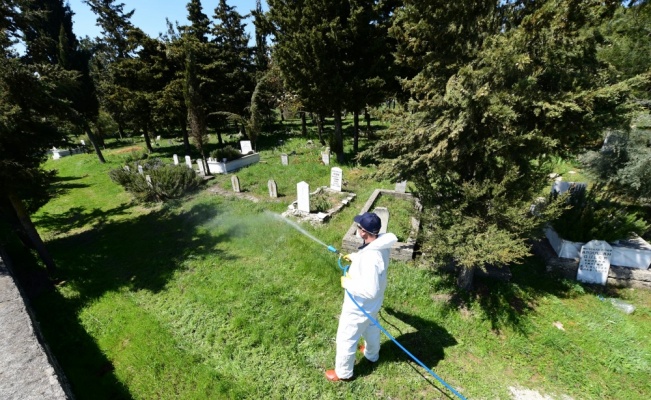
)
(403, 251)
(321, 217)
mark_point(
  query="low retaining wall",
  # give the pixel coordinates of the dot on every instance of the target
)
(403, 251)
(217, 167)
(26, 371)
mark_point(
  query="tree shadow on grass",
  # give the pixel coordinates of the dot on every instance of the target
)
(134, 254)
(506, 304)
(427, 343)
(77, 217)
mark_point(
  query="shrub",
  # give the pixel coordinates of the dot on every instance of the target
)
(135, 155)
(320, 202)
(167, 181)
(228, 152)
(592, 218)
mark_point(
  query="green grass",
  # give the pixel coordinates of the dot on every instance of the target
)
(213, 297)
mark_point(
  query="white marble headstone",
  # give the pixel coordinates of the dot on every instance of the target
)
(140, 171)
(383, 213)
(235, 181)
(176, 159)
(273, 188)
(200, 166)
(336, 177)
(148, 179)
(303, 189)
(325, 157)
(594, 262)
(82, 142)
(401, 187)
(188, 161)
(245, 145)
(284, 159)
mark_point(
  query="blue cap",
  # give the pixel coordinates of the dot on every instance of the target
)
(370, 222)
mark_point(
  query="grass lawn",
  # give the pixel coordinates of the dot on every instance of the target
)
(212, 297)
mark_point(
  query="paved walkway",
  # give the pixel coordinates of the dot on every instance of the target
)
(25, 370)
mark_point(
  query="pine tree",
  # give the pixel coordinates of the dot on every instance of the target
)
(504, 86)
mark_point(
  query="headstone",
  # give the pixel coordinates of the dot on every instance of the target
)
(200, 166)
(126, 168)
(325, 157)
(140, 171)
(83, 143)
(235, 181)
(303, 189)
(245, 145)
(595, 262)
(401, 187)
(158, 138)
(273, 189)
(176, 159)
(284, 159)
(148, 179)
(188, 161)
(336, 177)
(383, 213)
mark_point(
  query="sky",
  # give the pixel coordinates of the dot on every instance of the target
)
(150, 14)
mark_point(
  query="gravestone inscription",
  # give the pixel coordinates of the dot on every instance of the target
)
(336, 178)
(594, 262)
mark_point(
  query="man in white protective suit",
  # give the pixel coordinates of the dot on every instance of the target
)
(366, 281)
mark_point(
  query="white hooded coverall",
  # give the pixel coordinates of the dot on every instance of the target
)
(368, 280)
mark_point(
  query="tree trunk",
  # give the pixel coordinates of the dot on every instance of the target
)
(465, 277)
(319, 124)
(32, 233)
(120, 130)
(367, 118)
(303, 124)
(337, 144)
(93, 141)
(355, 131)
(145, 132)
(184, 133)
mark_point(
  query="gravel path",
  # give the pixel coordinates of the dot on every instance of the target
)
(25, 370)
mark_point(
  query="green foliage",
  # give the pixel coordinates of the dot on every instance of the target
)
(228, 152)
(135, 155)
(488, 109)
(320, 202)
(590, 217)
(624, 164)
(167, 181)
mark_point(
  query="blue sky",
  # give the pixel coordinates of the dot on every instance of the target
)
(150, 14)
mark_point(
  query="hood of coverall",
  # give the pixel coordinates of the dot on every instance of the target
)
(383, 241)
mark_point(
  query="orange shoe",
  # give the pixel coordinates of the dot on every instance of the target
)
(331, 375)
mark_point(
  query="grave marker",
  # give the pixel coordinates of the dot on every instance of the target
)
(140, 171)
(176, 159)
(83, 143)
(284, 159)
(245, 145)
(336, 177)
(273, 189)
(126, 168)
(325, 157)
(235, 181)
(148, 179)
(188, 161)
(401, 187)
(200, 165)
(595, 262)
(303, 189)
(383, 213)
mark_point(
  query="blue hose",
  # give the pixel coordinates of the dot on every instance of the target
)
(344, 270)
